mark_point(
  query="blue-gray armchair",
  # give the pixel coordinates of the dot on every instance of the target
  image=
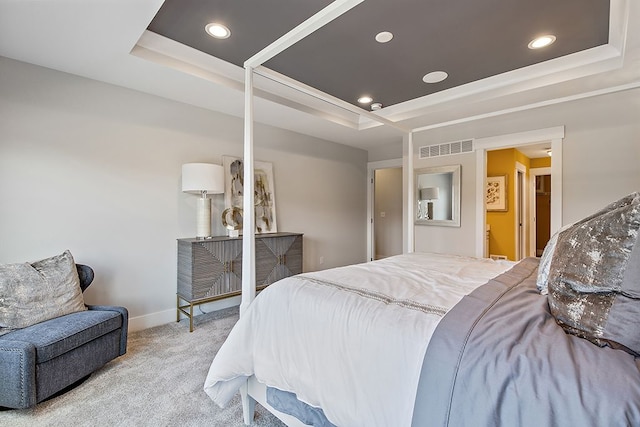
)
(38, 361)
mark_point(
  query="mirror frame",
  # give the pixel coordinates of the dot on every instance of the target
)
(455, 192)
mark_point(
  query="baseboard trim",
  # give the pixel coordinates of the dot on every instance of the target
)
(158, 318)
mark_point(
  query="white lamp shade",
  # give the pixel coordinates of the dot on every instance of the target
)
(199, 177)
(429, 193)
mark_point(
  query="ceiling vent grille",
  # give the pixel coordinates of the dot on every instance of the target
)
(446, 149)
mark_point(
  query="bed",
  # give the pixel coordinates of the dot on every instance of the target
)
(431, 339)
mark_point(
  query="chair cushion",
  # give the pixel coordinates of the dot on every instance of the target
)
(34, 292)
(62, 334)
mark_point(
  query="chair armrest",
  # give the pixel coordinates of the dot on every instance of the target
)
(85, 274)
(17, 370)
(125, 322)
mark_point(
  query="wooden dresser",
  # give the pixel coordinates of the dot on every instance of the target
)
(211, 269)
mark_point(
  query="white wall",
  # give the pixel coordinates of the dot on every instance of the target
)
(95, 169)
(601, 159)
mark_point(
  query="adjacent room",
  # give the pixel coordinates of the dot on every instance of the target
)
(296, 213)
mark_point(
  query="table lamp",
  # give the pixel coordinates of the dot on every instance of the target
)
(203, 179)
(429, 194)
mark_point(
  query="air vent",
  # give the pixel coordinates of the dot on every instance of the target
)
(446, 149)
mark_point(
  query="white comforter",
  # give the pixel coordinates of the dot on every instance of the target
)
(350, 340)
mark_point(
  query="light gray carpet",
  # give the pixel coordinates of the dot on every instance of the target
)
(159, 382)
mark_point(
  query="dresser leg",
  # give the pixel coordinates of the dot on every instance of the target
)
(190, 317)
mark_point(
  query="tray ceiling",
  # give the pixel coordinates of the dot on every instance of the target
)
(470, 40)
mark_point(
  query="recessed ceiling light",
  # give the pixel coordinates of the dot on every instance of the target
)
(376, 106)
(542, 41)
(218, 31)
(384, 37)
(365, 99)
(435, 77)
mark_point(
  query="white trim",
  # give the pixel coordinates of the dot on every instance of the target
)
(311, 91)
(520, 168)
(146, 321)
(619, 11)
(520, 138)
(556, 185)
(531, 106)
(588, 62)
(481, 213)
(371, 169)
(482, 145)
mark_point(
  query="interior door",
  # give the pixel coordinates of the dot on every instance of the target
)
(387, 212)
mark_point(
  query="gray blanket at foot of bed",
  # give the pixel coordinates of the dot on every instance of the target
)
(498, 358)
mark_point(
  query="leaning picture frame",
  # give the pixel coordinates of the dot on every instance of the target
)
(264, 194)
(496, 194)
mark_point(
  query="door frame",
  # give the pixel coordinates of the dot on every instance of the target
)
(521, 214)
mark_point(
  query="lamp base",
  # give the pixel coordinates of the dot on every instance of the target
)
(203, 218)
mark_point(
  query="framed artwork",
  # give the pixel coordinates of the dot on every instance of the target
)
(496, 194)
(264, 195)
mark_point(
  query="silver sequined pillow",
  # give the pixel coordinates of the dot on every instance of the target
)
(33, 293)
(594, 277)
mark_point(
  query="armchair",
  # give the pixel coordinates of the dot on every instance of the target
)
(40, 360)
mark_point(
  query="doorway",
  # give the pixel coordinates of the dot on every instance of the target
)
(512, 230)
(385, 209)
(549, 136)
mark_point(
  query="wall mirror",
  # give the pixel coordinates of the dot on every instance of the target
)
(437, 196)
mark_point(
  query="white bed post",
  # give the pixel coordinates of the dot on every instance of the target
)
(248, 229)
(248, 213)
(411, 229)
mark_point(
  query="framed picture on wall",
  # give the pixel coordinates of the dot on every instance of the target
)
(496, 193)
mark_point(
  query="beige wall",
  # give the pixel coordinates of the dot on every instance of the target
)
(95, 169)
